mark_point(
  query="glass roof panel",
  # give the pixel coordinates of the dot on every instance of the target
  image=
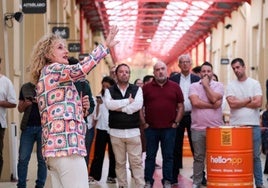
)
(171, 26)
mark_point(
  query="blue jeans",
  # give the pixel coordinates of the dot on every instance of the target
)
(28, 137)
(256, 155)
(166, 137)
(88, 142)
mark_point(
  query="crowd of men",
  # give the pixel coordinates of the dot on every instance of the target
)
(149, 113)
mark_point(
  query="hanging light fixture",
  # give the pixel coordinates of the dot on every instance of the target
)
(18, 16)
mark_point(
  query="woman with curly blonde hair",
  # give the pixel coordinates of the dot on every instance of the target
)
(60, 107)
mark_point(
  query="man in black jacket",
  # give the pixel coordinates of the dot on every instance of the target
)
(185, 78)
(83, 87)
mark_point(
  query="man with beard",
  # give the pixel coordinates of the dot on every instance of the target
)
(124, 100)
(163, 103)
(244, 97)
(206, 99)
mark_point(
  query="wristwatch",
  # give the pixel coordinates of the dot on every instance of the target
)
(177, 123)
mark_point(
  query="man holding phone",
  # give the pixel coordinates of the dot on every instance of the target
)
(31, 133)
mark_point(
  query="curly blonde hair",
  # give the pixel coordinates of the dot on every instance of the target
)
(41, 54)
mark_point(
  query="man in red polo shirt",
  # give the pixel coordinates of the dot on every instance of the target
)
(163, 103)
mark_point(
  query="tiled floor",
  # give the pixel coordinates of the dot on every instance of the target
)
(184, 179)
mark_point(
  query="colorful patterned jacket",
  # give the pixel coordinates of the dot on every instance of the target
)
(60, 106)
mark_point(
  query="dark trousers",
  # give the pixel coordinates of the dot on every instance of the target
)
(166, 138)
(88, 142)
(101, 141)
(264, 136)
(2, 133)
(265, 171)
(178, 149)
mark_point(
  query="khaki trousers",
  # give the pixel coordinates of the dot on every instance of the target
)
(131, 148)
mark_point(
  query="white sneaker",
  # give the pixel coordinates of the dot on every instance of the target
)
(111, 180)
(167, 184)
(91, 180)
(148, 185)
(196, 186)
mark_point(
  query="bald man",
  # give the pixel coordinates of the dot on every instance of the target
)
(163, 104)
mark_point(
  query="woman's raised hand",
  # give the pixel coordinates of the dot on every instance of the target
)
(110, 42)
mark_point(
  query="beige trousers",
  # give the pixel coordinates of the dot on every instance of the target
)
(131, 148)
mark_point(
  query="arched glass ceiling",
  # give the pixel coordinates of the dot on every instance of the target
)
(164, 29)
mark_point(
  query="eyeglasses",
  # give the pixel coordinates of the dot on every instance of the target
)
(185, 62)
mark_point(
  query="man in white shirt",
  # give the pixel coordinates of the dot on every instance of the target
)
(185, 78)
(244, 97)
(124, 100)
(7, 100)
